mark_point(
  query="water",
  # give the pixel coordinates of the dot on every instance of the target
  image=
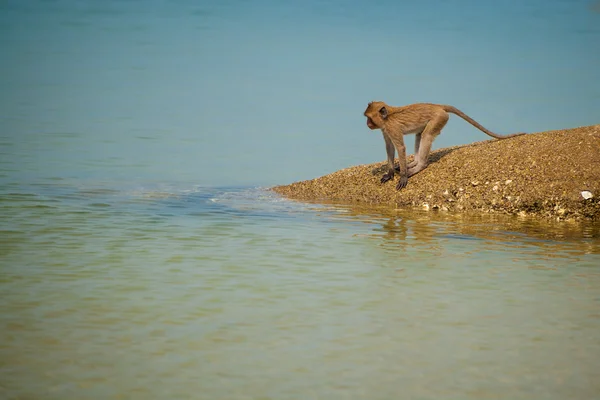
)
(236, 293)
(142, 256)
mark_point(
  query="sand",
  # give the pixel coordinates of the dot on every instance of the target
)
(545, 174)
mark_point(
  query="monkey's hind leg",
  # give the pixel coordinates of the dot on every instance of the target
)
(433, 128)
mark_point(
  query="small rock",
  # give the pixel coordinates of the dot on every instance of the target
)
(446, 192)
(475, 183)
(508, 181)
(495, 188)
(426, 206)
(587, 194)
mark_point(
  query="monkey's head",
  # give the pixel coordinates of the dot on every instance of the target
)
(376, 114)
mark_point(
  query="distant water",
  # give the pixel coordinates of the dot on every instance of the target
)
(142, 256)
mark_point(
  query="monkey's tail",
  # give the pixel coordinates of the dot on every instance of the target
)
(477, 125)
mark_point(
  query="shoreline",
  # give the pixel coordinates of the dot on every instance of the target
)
(546, 174)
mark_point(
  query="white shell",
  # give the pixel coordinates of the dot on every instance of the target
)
(586, 195)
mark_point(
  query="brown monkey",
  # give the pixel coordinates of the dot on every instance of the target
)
(423, 119)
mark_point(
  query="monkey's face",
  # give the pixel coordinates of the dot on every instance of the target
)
(376, 114)
(371, 124)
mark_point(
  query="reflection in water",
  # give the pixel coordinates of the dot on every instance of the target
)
(399, 224)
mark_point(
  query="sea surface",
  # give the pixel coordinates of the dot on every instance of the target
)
(143, 256)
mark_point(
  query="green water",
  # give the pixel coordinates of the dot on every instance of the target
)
(238, 294)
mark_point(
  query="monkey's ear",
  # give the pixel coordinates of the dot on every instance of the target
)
(383, 112)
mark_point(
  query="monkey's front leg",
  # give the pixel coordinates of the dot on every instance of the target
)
(401, 149)
(390, 151)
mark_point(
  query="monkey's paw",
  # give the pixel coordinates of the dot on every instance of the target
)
(402, 182)
(387, 176)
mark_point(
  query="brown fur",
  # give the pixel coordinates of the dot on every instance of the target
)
(423, 119)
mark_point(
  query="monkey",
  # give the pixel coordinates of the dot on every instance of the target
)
(425, 120)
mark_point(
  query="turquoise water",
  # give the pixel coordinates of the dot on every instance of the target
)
(143, 256)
